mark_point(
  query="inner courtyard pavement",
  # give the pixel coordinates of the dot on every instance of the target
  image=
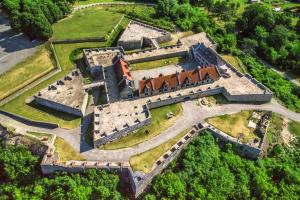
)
(192, 114)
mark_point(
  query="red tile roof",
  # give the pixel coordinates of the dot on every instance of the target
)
(173, 80)
(121, 69)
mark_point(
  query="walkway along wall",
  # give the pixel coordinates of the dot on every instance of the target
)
(138, 180)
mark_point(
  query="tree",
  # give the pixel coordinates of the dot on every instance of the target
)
(17, 163)
(279, 37)
(169, 186)
(249, 45)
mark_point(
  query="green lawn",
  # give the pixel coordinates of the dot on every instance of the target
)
(294, 128)
(63, 51)
(156, 63)
(158, 124)
(275, 129)
(144, 161)
(66, 151)
(90, 22)
(40, 113)
(39, 135)
(26, 72)
(235, 125)
(236, 62)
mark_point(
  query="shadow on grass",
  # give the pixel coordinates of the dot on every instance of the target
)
(58, 114)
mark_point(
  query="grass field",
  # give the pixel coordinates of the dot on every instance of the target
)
(159, 123)
(156, 63)
(26, 72)
(236, 62)
(63, 51)
(235, 125)
(40, 135)
(90, 22)
(39, 113)
(66, 151)
(275, 129)
(144, 161)
(294, 128)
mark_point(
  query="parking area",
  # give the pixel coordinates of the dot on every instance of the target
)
(14, 47)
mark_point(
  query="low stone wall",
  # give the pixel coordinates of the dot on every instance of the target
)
(142, 182)
(132, 44)
(79, 40)
(181, 52)
(121, 133)
(178, 99)
(244, 149)
(29, 121)
(58, 106)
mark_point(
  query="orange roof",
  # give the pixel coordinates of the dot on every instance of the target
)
(173, 80)
(121, 69)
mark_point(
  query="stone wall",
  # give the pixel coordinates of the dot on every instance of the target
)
(142, 181)
(178, 99)
(121, 133)
(61, 107)
(180, 52)
(132, 44)
(244, 149)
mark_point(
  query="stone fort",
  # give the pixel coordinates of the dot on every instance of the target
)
(130, 94)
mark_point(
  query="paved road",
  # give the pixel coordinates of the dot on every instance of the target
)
(14, 47)
(192, 114)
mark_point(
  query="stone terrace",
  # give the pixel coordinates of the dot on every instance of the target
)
(138, 31)
(101, 56)
(118, 116)
(67, 92)
(181, 49)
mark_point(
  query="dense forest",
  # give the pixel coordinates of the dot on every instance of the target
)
(34, 17)
(206, 171)
(20, 179)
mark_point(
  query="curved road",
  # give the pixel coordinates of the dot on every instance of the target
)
(192, 114)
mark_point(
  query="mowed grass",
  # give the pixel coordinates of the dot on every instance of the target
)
(39, 113)
(159, 123)
(26, 72)
(156, 63)
(63, 51)
(235, 125)
(145, 161)
(86, 23)
(236, 62)
(66, 151)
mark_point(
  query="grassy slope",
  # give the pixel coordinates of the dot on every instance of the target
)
(294, 128)
(236, 62)
(91, 22)
(26, 72)
(158, 124)
(234, 124)
(144, 161)
(66, 151)
(155, 64)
